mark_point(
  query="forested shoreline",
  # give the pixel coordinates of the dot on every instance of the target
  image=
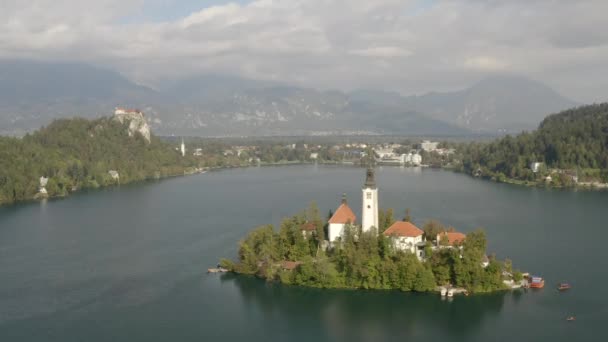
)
(79, 154)
(569, 148)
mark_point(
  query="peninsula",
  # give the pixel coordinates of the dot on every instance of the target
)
(378, 253)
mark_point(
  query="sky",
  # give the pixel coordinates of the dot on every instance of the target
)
(409, 46)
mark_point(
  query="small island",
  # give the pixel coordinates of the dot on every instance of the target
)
(379, 253)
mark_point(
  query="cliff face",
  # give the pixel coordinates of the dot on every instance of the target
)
(137, 122)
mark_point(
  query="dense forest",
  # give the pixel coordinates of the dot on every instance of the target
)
(79, 153)
(572, 146)
(364, 260)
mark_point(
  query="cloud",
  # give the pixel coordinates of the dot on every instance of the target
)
(411, 46)
(382, 51)
(485, 63)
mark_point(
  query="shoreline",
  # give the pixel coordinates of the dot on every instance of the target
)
(38, 197)
(437, 290)
(585, 186)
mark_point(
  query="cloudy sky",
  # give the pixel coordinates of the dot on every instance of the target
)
(411, 46)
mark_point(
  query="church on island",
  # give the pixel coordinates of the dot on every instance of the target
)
(405, 235)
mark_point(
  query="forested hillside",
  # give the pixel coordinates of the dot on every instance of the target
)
(79, 153)
(573, 143)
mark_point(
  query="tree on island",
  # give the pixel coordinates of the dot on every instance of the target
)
(432, 228)
(408, 216)
(385, 219)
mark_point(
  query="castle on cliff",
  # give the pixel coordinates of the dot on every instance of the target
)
(136, 119)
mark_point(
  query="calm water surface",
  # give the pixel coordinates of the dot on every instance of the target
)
(128, 263)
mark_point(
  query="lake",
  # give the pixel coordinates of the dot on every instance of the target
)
(129, 263)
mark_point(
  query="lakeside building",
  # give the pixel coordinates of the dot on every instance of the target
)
(429, 146)
(407, 237)
(410, 158)
(450, 239)
(384, 153)
(42, 187)
(536, 166)
(308, 229)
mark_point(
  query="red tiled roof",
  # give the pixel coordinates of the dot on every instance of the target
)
(402, 228)
(343, 215)
(129, 110)
(453, 237)
(308, 226)
(290, 265)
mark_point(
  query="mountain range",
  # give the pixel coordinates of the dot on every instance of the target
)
(32, 94)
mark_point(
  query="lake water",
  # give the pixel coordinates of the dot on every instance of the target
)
(129, 263)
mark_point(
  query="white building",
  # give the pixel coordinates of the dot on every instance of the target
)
(450, 239)
(343, 217)
(410, 158)
(114, 174)
(369, 209)
(429, 145)
(43, 182)
(384, 152)
(416, 159)
(407, 237)
(535, 167)
(314, 155)
(183, 148)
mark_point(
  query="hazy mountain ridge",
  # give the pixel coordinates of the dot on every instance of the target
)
(32, 94)
(498, 103)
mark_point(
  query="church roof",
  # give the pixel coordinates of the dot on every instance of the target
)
(402, 228)
(290, 265)
(453, 237)
(309, 226)
(343, 214)
(370, 179)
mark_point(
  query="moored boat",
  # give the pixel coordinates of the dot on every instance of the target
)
(450, 293)
(571, 318)
(444, 291)
(563, 286)
(537, 282)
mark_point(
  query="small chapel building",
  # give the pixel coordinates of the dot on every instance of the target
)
(343, 217)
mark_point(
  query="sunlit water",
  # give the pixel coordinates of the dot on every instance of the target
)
(129, 263)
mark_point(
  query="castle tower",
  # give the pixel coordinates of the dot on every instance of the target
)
(183, 148)
(370, 202)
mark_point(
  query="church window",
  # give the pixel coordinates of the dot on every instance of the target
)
(369, 195)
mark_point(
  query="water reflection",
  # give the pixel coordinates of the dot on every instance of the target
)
(370, 315)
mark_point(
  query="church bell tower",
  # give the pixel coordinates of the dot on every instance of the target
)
(370, 202)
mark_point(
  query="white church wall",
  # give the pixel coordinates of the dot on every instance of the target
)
(335, 231)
